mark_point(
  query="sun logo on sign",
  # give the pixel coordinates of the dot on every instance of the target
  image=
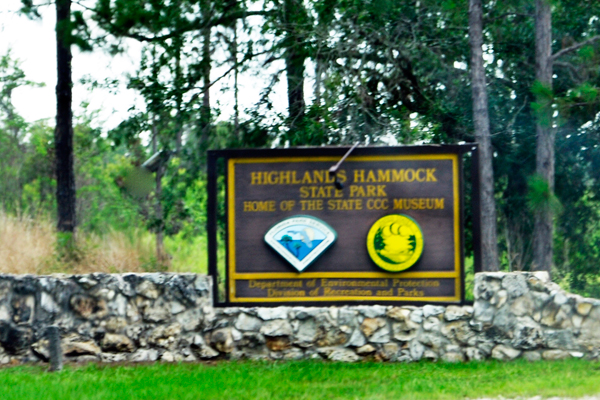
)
(395, 242)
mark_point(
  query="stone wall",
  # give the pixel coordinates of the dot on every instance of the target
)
(169, 317)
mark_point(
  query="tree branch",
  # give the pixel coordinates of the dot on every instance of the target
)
(576, 46)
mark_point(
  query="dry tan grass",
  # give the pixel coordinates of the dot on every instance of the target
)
(29, 246)
(26, 245)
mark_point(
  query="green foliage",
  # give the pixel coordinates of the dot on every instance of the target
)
(387, 72)
(541, 197)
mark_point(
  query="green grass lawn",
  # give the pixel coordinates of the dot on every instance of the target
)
(303, 380)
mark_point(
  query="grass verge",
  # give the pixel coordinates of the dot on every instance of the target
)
(304, 380)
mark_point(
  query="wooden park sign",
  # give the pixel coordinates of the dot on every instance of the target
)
(386, 228)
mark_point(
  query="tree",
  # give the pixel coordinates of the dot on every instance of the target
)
(63, 136)
(545, 136)
(489, 241)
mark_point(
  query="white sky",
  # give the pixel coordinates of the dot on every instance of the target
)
(32, 42)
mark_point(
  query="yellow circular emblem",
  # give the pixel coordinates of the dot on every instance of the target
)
(395, 242)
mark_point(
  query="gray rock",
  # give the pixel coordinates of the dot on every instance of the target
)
(117, 343)
(555, 355)
(293, 354)
(382, 335)
(87, 282)
(365, 350)
(23, 308)
(453, 357)
(190, 320)
(176, 307)
(48, 303)
(584, 308)
(278, 343)
(157, 313)
(416, 349)
(268, 314)
(505, 353)
(89, 307)
(404, 331)
(416, 316)
(429, 310)
(357, 339)
(527, 334)
(455, 313)
(165, 336)
(247, 322)
(278, 327)
(483, 311)
(203, 351)
(306, 333)
(560, 339)
(399, 313)
(431, 324)
(389, 351)
(347, 317)
(542, 276)
(499, 298)
(521, 306)
(474, 354)
(486, 285)
(515, 284)
(433, 340)
(370, 325)
(372, 311)
(222, 340)
(458, 331)
(5, 314)
(343, 355)
(113, 357)
(170, 357)
(75, 345)
(532, 356)
(203, 284)
(144, 355)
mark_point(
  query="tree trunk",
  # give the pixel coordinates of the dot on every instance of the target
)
(294, 64)
(542, 232)
(63, 134)
(158, 208)
(160, 227)
(205, 116)
(489, 241)
(236, 105)
(178, 98)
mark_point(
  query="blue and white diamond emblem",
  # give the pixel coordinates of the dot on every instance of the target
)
(300, 239)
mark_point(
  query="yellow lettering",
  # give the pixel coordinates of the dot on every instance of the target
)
(371, 177)
(344, 205)
(304, 192)
(306, 178)
(319, 176)
(430, 176)
(398, 175)
(383, 176)
(359, 175)
(256, 178)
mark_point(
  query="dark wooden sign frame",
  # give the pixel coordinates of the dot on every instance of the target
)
(331, 155)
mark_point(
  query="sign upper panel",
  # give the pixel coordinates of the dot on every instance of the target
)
(391, 234)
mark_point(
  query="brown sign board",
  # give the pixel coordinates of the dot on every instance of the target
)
(266, 187)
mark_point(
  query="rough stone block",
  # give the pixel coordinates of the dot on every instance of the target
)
(505, 353)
